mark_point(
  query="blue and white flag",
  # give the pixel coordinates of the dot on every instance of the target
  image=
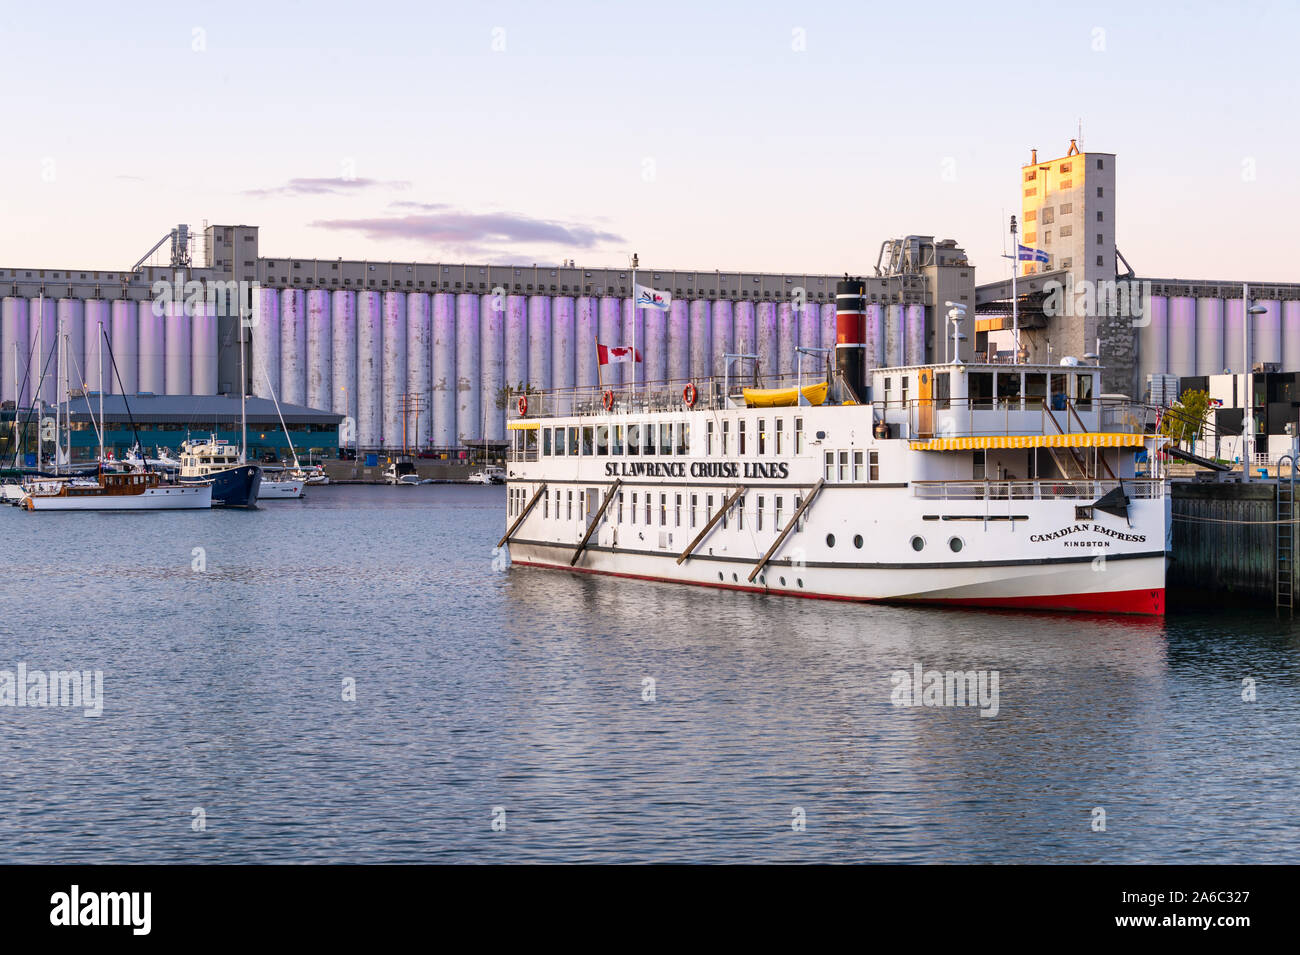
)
(1033, 255)
(649, 298)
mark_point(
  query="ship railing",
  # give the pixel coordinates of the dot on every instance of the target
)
(1040, 490)
(938, 417)
(669, 394)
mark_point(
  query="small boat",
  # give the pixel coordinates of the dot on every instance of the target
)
(312, 475)
(279, 486)
(131, 491)
(235, 483)
(784, 397)
(489, 475)
(401, 473)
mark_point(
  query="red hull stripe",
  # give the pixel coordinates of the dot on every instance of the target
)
(1149, 602)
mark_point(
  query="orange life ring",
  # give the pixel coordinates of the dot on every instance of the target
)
(607, 399)
(523, 405)
(690, 395)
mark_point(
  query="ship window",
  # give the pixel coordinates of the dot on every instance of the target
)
(569, 505)
(546, 505)
(918, 543)
(762, 436)
(1035, 389)
(874, 459)
(557, 504)
(648, 521)
(758, 517)
(602, 439)
(980, 384)
(634, 507)
(798, 502)
(857, 467)
(780, 436)
(1059, 384)
(546, 442)
(573, 441)
(647, 439)
(844, 466)
(677, 511)
(829, 458)
(889, 387)
(634, 439)
(618, 440)
(726, 428)
(830, 540)
(665, 438)
(955, 544)
(683, 437)
(777, 516)
(740, 436)
(708, 439)
(619, 519)
(663, 510)
(588, 439)
(1083, 392)
(708, 507)
(740, 515)
(857, 541)
(798, 435)
(694, 500)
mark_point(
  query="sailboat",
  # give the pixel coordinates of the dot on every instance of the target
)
(283, 486)
(142, 490)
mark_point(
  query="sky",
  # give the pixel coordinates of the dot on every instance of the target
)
(759, 136)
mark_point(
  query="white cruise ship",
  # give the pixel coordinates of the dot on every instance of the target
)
(978, 485)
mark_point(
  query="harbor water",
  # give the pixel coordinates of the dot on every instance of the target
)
(527, 715)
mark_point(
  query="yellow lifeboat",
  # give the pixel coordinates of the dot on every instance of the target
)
(784, 397)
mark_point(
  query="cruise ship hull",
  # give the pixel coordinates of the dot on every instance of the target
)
(1131, 583)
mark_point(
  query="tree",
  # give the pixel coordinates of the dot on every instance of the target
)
(1184, 422)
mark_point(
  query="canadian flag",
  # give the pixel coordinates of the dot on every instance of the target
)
(613, 355)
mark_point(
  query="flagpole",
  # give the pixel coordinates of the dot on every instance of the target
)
(1015, 267)
(634, 311)
(600, 379)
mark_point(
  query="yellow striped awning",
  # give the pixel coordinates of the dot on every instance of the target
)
(523, 425)
(984, 442)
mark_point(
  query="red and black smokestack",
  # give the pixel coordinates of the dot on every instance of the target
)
(850, 334)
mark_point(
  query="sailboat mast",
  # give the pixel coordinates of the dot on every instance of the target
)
(279, 414)
(243, 388)
(100, 359)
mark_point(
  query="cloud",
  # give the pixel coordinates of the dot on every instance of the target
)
(320, 187)
(476, 233)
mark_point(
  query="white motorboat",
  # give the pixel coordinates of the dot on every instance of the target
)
(492, 474)
(401, 473)
(279, 487)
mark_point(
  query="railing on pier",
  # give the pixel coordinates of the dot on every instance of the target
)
(1049, 490)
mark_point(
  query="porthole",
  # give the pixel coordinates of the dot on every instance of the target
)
(918, 543)
(720, 577)
(955, 544)
(799, 581)
(782, 581)
(857, 541)
(735, 579)
(830, 540)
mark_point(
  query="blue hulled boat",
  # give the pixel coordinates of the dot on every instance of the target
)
(235, 482)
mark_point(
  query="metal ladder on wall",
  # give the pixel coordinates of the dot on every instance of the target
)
(1284, 592)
